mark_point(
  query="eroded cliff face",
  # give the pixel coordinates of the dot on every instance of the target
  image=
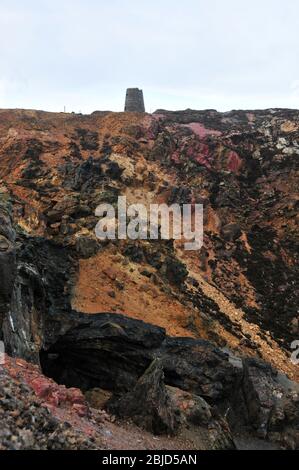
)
(235, 298)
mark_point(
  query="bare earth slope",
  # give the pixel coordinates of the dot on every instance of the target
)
(239, 292)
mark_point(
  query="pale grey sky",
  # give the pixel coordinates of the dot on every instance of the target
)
(83, 54)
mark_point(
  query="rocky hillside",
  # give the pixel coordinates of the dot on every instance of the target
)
(206, 334)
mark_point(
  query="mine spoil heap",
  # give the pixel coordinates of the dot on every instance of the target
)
(110, 342)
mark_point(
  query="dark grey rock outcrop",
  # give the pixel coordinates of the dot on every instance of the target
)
(7, 261)
(149, 404)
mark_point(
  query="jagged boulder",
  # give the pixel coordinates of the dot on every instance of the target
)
(201, 423)
(149, 404)
(272, 403)
(193, 408)
(199, 367)
(260, 394)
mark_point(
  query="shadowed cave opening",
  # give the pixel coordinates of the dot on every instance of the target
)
(86, 370)
(63, 369)
(103, 352)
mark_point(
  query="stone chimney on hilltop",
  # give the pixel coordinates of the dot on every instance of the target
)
(134, 101)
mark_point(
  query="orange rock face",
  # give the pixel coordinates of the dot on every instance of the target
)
(240, 290)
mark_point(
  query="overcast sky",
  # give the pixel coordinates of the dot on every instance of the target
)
(83, 54)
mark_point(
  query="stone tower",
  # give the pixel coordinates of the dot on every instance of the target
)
(134, 101)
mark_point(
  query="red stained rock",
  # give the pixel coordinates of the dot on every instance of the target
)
(234, 162)
(201, 130)
(42, 387)
(81, 410)
(66, 404)
(75, 396)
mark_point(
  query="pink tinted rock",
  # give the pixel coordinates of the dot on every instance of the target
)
(42, 387)
(201, 131)
(234, 162)
(81, 410)
(75, 396)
